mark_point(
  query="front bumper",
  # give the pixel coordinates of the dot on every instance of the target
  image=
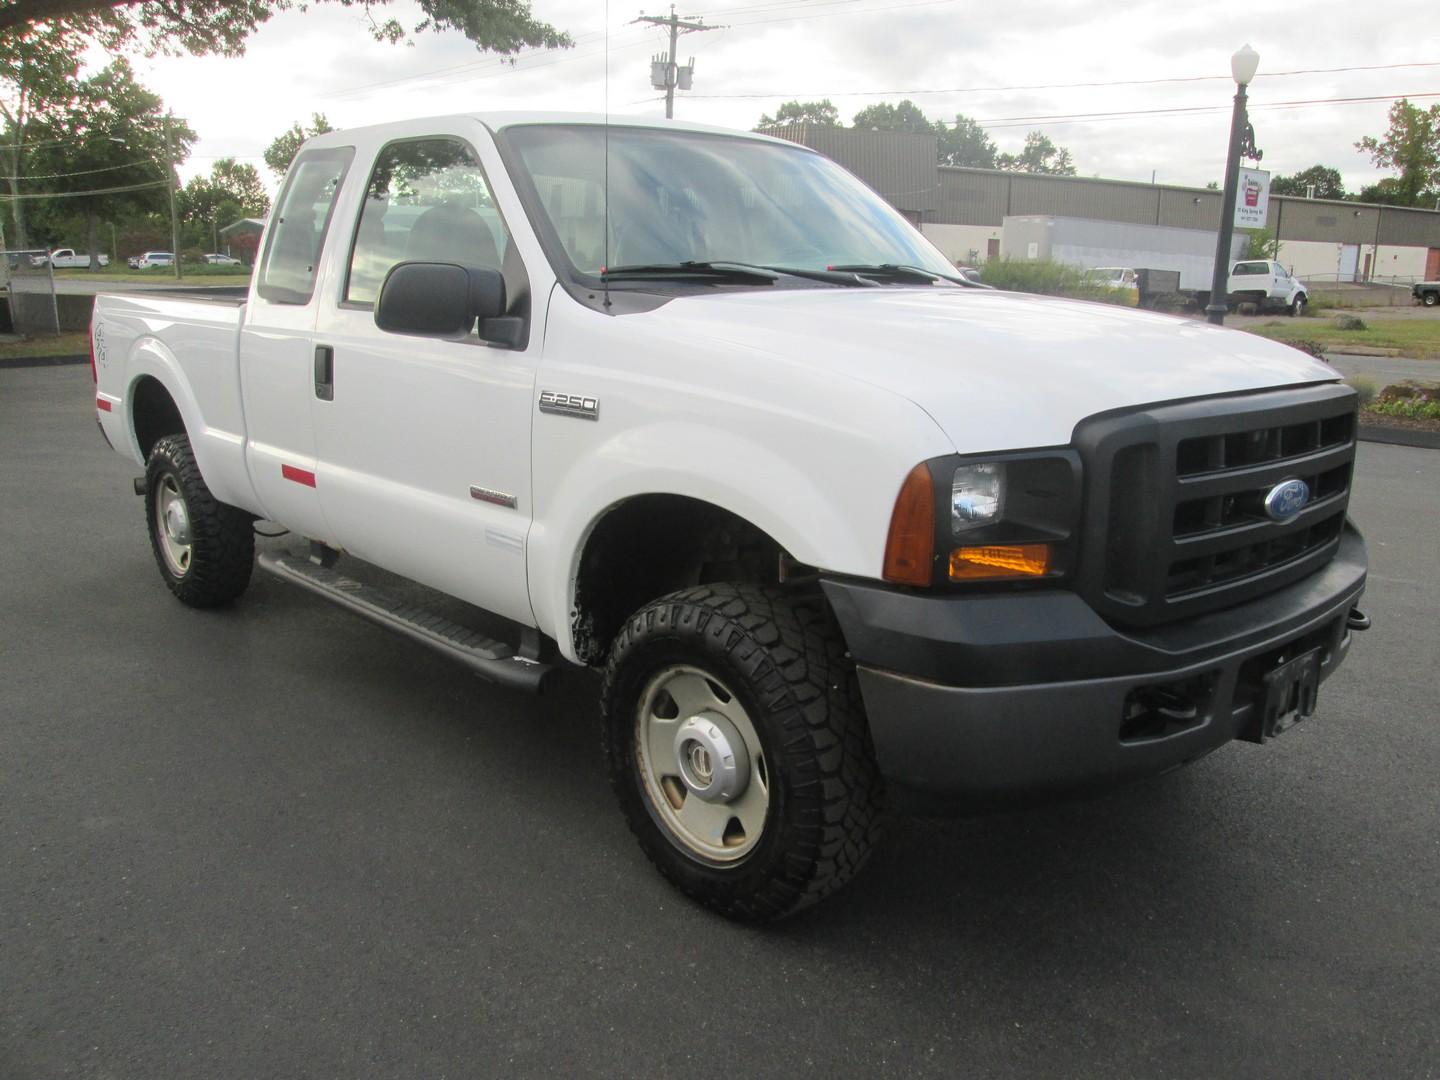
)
(1006, 696)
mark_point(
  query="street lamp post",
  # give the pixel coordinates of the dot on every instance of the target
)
(1242, 67)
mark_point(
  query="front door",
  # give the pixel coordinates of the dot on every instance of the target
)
(424, 444)
(277, 344)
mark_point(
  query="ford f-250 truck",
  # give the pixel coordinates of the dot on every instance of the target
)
(699, 410)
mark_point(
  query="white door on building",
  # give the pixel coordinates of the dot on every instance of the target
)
(1349, 261)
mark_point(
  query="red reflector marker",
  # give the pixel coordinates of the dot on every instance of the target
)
(300, 476)
(102, 404)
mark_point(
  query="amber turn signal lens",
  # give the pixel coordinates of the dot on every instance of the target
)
(910, 547)
(997, 562)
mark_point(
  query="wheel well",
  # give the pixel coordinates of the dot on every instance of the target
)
(651, 545)
(154, 414)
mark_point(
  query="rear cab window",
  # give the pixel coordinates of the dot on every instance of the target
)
(301, 219)
(1251, 268)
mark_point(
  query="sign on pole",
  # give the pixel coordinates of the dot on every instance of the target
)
(1252, 201)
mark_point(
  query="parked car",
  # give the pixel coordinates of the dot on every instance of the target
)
(152, 258)
(216, 259)
(836, 527)
(67, 259)
(1268, 285)
(1426, 292)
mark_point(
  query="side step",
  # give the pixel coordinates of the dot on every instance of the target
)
(488, 658)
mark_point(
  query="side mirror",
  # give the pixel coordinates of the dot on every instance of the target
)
(432, 299)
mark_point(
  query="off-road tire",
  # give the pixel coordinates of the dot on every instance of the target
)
(223, 537)
(784, 659)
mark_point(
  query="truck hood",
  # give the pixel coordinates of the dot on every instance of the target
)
(996, 370)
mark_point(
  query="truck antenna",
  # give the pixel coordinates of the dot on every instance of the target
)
(605, 210)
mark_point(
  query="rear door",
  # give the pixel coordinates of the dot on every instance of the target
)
(277, 342)
(424, 443)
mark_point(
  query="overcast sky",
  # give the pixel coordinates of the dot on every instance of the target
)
(947, 55)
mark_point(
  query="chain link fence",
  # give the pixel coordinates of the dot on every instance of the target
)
(29, 284)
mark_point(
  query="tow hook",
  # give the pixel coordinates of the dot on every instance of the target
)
(1357, 620)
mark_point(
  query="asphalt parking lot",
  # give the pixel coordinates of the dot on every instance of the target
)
(277, 841)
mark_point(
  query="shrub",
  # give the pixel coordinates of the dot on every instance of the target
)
(1350, 322)
(1413, 408)
(1363, 387)
(1047, 279)
(1314, 348)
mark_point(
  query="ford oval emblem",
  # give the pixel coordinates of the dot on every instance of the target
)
(1286, 499)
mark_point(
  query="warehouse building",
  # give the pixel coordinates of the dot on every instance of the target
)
(963, 210)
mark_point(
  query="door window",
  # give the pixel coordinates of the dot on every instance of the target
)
(427, 201)
(302, 216)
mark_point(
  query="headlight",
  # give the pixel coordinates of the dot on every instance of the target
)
(1000, 518)
(977, 496)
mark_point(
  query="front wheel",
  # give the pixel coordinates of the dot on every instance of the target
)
(205, 548)
(738, 748)
(1297, 306)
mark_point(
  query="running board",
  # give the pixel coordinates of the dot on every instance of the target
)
(486, 657)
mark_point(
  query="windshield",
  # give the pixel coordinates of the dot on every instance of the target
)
(682, 196)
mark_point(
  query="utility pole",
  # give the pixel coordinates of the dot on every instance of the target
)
(664, 74)
(174, 180)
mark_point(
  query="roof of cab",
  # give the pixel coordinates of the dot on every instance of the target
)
(497, 121)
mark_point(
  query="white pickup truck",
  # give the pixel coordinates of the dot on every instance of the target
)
(1267, 285)
(699, 410)
(67, 259)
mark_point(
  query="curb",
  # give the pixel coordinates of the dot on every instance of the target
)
(1396, 436)
(43, 361)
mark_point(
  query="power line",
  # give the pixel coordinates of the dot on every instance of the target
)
(917, 91)
(82, 194)
(1129, 114)
(85, 172)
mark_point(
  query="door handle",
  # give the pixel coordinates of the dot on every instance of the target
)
(325, 372)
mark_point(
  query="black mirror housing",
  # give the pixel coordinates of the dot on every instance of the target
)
(432, 299)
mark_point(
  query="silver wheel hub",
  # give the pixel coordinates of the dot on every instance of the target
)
(172, 520)
(702, 768)
(714, 763)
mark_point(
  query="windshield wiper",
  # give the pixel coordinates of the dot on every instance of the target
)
(902, 272)
(691, 269)
(731, 270)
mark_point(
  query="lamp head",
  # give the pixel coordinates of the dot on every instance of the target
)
(1243, 65)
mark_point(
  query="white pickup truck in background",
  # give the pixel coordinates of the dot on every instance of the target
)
(67, 259)
(697, 409)
(1267, 285)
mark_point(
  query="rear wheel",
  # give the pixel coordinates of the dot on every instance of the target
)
(738, 748)
(205, 548)
(1431, 299)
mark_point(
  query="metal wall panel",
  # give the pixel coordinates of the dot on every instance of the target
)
(1317, 219)
(972, 197)
(1404, 226)
(1190, 208)
(1098, 200)
(899, 165)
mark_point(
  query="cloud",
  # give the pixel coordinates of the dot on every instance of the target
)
(857, 53)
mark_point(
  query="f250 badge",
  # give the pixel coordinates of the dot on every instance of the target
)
(586, 408)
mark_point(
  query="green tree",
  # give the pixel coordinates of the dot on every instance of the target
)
(233, 190)
(39, 67)
(1040, 155)
(1327, 182)
(109, 150)
(1411, 147)
(965, 143)
(821, 113)
(1263, 245)
(286, 145)
(222, 26)
(906, 116)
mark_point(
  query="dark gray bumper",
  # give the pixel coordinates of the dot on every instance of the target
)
(1008, 696)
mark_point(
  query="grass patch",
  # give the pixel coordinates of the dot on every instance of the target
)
(62, 345)
(158, 274)
(1417, 338)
